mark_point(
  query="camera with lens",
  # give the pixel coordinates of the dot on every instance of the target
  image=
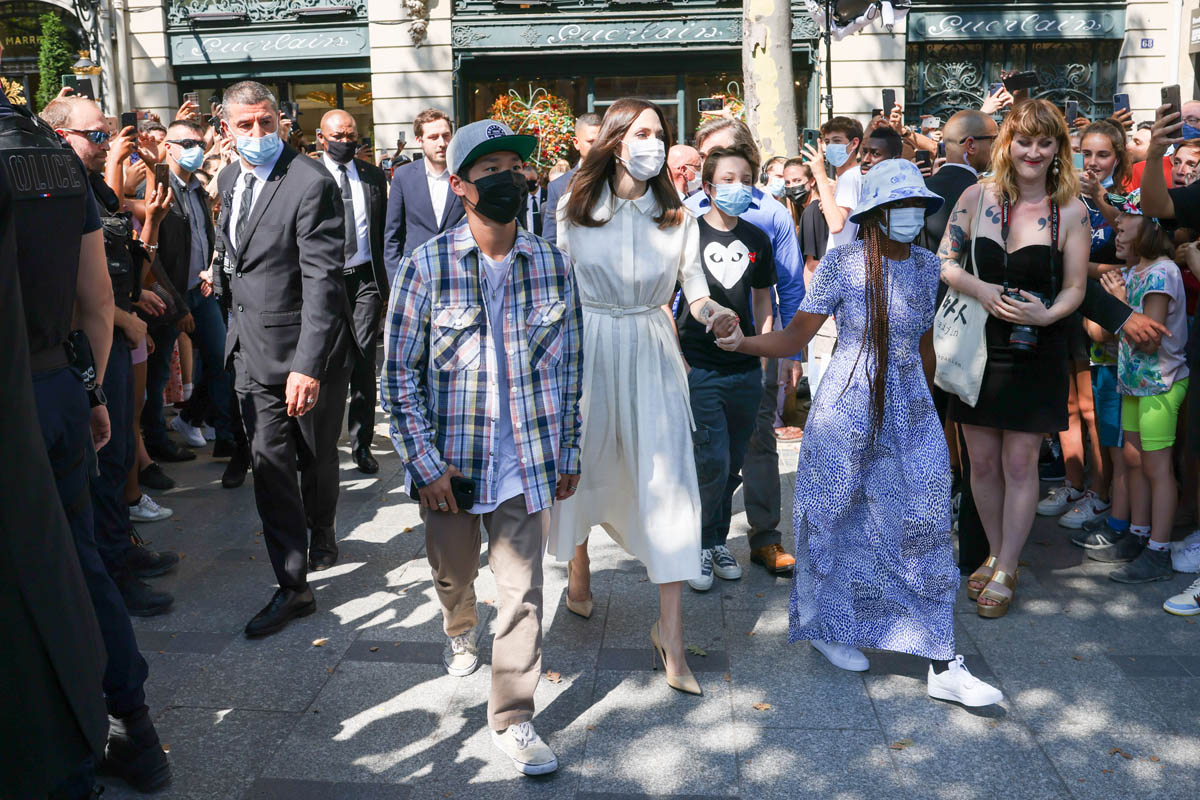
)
(1023, 338)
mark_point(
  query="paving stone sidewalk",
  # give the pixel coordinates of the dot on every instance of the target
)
(1102, 687)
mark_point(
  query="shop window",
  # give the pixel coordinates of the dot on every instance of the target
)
(945, 78)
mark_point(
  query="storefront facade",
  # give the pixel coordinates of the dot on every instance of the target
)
(21, 38)
(592, 52)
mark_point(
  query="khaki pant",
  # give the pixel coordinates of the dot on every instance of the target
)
(515, 542)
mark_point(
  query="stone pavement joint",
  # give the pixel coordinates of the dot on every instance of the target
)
(1102, 688)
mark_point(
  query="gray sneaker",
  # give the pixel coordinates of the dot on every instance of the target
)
(1151, 565)
(1096, 538)
(460, 656)
(1127, 547)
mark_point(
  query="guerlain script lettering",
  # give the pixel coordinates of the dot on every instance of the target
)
(284, 42)
(1031, 24)
(641, 32)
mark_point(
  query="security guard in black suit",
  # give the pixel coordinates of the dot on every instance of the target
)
(63, 272)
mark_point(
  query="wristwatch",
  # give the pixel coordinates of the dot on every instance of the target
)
(96, 396)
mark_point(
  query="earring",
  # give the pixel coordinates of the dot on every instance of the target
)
(1054, 167)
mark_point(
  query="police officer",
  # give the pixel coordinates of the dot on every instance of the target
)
(62, 269)
(127, 259)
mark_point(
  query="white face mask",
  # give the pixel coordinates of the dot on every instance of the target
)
(646, 158)
(694, 185)
(904, 224)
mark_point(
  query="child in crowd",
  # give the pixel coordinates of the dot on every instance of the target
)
(1153, 386)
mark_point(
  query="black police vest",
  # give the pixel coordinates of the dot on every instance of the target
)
(119, 244)
(49, 193)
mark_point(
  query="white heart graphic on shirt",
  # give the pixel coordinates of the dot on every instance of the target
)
(727, 263)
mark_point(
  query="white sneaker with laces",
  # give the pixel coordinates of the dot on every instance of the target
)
(705, 581)
(1186, 603)
(959, 685)
(1059, 500)
(725, 565)
(1091, 507)
(529, 754)
(146, 510)
(460, 657)
(843, 656)
(1185, 555)
(192, 436)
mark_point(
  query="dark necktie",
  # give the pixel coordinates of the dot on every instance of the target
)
(348, 204)
(244, 210)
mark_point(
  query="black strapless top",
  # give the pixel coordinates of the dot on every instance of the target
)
(1034, 268)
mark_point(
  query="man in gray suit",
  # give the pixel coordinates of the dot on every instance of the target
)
(587, 128)
(290, 340)
(421, 205)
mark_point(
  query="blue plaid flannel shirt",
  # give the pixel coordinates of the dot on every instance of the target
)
(436, 384)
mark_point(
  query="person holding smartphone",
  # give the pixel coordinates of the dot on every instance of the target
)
(482, 379)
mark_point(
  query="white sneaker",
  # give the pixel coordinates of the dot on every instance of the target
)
(1091, 507)
(1185, 555)
(146, 510)
(1186, 603)
(1059, 500)
(529, 754)
(724, 564)
(843, 656)
(192, 436)
(461, 658)
(959, 685)
(705, 581)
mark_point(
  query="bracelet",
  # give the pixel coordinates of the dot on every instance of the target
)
(150, 248)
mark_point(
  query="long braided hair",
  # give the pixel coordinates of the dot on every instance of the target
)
(871, 232)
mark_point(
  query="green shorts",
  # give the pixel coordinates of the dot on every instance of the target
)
(1154, 418)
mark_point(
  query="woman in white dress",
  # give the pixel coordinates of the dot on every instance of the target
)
(631, 242)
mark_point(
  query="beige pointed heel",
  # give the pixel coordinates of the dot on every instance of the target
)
(582, 608)
(686, 682)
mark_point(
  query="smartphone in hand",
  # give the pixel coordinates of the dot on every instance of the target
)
(129, 119)
(1170, 97)
(924, 160)
(889, 101)
(1072, 112)
(162, 174)
(1121, 103)
(1021, 81)
(710, 105)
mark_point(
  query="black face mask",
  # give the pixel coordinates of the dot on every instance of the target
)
(532, 185)
(341, 152)
(797, 192)
(501, 196)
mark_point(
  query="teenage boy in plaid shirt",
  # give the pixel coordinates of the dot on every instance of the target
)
(482, 383)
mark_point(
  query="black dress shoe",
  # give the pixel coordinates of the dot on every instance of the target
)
(235, 470)
(169, 452)
(224, 448)
(147, 563)
(285, 606)
(365, 461)
(140, 599)
(134, 754)
(153, 477)
(322, 551)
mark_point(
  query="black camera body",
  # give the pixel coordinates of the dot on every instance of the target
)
(1023, 338)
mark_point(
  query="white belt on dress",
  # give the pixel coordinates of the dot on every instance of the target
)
(618, 311)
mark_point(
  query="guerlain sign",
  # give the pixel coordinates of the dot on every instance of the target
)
(234, 46)
(1018, 24)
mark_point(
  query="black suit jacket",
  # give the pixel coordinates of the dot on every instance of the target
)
(410, 219)
(175, 240)
(374, 182)
(949, 183)
(289, 311)
(554, 192)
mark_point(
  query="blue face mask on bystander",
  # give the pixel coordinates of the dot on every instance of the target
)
(732, 198)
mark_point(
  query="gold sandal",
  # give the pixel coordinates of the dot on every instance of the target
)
(979, 576)
(1001, 578)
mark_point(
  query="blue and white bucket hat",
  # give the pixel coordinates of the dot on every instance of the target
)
(890, 181)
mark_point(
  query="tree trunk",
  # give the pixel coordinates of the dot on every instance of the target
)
(767, 75)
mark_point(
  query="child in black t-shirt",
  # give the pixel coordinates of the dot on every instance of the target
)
(726, 387)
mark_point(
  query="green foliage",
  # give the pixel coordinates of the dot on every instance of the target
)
(54, 59)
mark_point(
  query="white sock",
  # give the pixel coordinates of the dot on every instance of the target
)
(1140, 530)
(187, 392)
(1159, 546)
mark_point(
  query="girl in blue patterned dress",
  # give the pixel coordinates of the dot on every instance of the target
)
(874, 560)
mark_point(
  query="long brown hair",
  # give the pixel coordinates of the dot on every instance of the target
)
(1035, 118)
(1116, 139)
(598, 168)
(875, 343)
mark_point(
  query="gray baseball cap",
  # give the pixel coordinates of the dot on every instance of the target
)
(478, 139)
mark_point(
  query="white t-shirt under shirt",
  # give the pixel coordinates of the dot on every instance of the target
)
(503, 467)
(845, 195)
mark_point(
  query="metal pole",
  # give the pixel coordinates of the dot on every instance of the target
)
(828, 60)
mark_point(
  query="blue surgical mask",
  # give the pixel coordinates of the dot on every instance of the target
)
(191, 158)
(775, 187)
(836, 154)
(259, 150)
(732, 198)
(1107, 182)
(903, 224)
(1189, 132)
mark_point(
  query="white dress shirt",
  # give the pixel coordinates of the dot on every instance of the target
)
(439, 188)
(261, 173)
(964, 165)
(362, 230)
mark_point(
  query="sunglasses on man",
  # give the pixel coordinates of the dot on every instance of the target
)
(186, 143)
(95, 137)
